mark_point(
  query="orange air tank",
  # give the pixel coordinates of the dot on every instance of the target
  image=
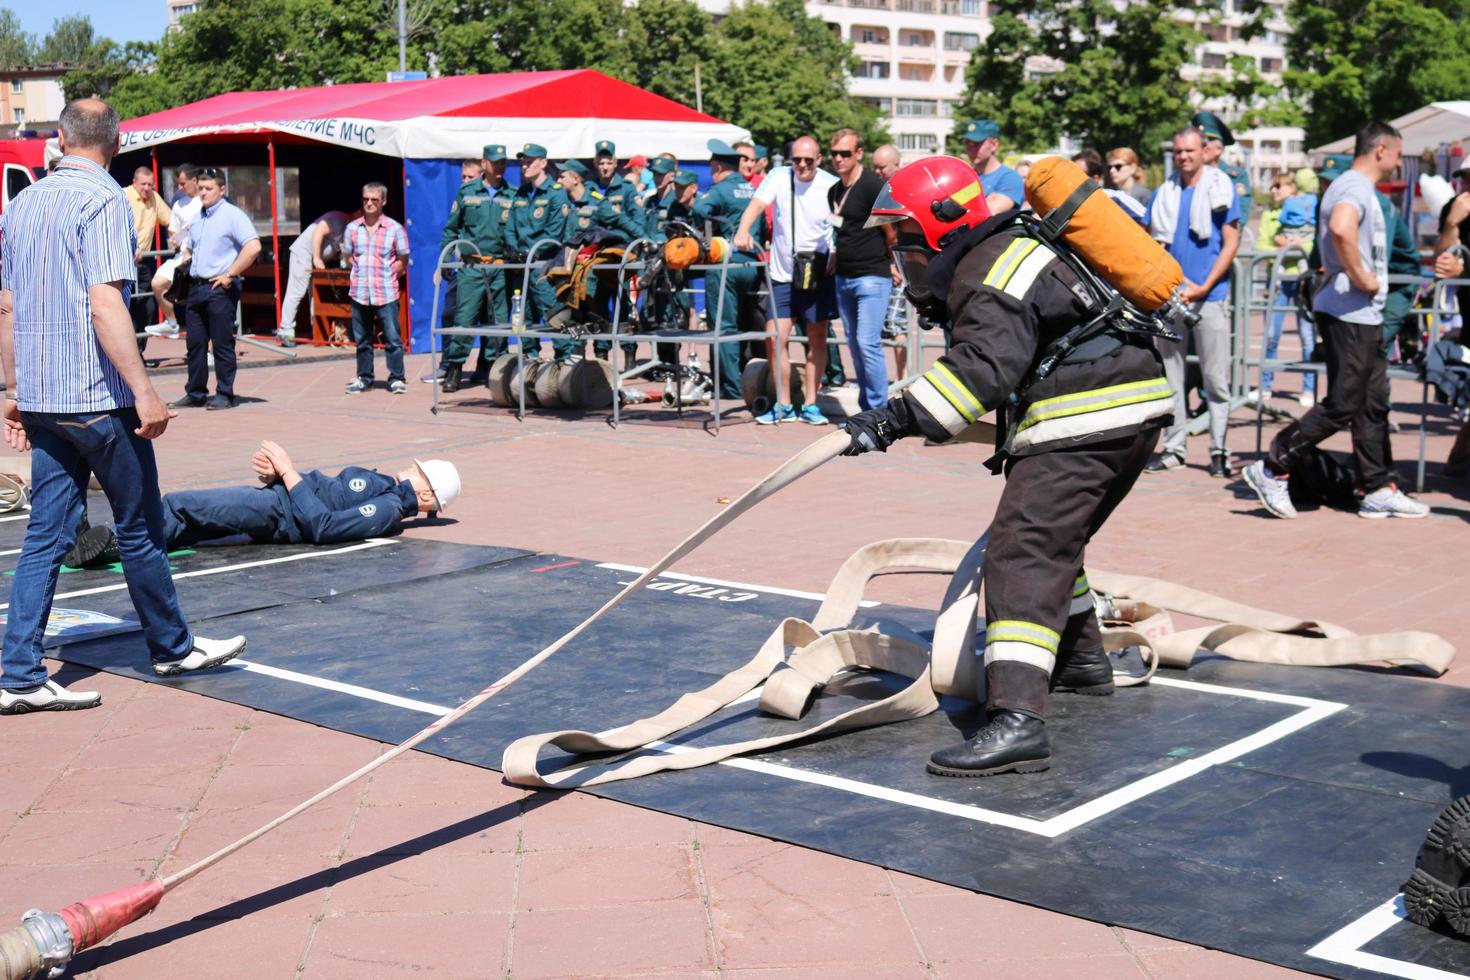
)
(1115, 246)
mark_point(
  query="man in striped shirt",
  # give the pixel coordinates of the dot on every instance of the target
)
(81, 399)
(375, 243)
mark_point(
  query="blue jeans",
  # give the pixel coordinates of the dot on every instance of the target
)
(65, 451)
(862, 302)
(364, 319)
(1286, 296)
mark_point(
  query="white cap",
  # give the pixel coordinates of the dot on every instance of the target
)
(443, 479)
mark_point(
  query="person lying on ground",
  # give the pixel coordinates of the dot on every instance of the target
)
(290, 507)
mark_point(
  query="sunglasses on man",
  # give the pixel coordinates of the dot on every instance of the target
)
(804, 161)
(843, 154)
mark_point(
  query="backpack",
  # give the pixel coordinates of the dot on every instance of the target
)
(1319, 480)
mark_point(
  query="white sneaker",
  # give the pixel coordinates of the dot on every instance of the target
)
(49, 696)
(1271, 489)
(206, 654)
(167, 328)
(1390, 501)
(1305, 400)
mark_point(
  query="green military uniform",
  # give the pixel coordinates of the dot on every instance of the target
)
(738, 301)
(479, 214)
(537, 213)
(595, 213)
(1241, 181)
(1213, 128)
(671, 307)
(620, 193)
(1403, 260)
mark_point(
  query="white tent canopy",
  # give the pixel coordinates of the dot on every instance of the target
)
(1425, 128)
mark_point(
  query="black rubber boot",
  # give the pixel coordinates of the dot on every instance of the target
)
(451, 380)
(1433, 890)
(1010, 742)
(1083, 671)
(96, 547)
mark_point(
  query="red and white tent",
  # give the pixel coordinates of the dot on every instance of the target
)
(452, 118)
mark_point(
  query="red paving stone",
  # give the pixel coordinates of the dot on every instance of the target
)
(435, 868)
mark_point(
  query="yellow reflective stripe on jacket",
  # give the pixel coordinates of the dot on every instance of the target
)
(1009, 261)
(1095, 400)
(954, 391)
(1020, 631)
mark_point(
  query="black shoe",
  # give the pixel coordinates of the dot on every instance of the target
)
(1010, 742)
(1159, 462)
(451, 380)
(219, 403)
(1433, 890)
(96, 547)
(189, 401)
(1220, 465)
(1083, 671)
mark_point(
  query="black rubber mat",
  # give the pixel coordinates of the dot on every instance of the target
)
(1249, 808)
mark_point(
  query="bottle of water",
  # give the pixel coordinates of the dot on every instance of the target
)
(517, 318)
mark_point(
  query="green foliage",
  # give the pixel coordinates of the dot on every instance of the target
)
(781, 73)
(17, 48)
(1117, 82)
(768, 66)
(1355, 60)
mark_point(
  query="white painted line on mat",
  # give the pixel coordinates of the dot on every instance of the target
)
(1345, 946)
(11, 551)
(768, 589)
(362, 546)
(366, 693)
(16, 517)
(1313, 711)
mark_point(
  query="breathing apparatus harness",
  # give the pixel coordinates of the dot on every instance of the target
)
(1113, 314)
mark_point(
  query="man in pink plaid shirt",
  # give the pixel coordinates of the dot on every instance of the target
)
(375, 243)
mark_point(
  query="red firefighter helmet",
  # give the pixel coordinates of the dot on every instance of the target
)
(941, 193)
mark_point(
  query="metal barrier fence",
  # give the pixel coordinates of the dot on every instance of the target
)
(1255, 279)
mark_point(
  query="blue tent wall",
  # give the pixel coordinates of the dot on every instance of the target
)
(429, 187)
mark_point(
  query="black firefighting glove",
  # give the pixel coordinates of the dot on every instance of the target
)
(878, 428)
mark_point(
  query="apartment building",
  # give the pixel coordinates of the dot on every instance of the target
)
(913, 55)
(178, 8)
(31, 98)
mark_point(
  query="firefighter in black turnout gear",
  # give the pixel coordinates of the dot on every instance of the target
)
(1072, 443)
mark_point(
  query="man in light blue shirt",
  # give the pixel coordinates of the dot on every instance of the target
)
(81, 399)
(1004, 188)
(222, 245)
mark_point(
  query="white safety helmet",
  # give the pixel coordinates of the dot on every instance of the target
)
(443, 479)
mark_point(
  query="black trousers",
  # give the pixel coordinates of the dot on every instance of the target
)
(209, 321)
(1052, 505)
(1357, 397)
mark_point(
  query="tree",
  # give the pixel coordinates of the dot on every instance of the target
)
(72, 41)
(780, 73)
(17, 48)
(1103, 73)
(1355, 60)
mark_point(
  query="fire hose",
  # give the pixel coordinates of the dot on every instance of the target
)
(45, 942)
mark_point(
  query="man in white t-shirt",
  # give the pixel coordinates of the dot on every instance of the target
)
(184, 214)
(801, 286)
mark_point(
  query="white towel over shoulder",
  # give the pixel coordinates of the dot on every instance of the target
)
(1214, 192)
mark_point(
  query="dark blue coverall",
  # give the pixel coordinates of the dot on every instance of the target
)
(321, 509)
